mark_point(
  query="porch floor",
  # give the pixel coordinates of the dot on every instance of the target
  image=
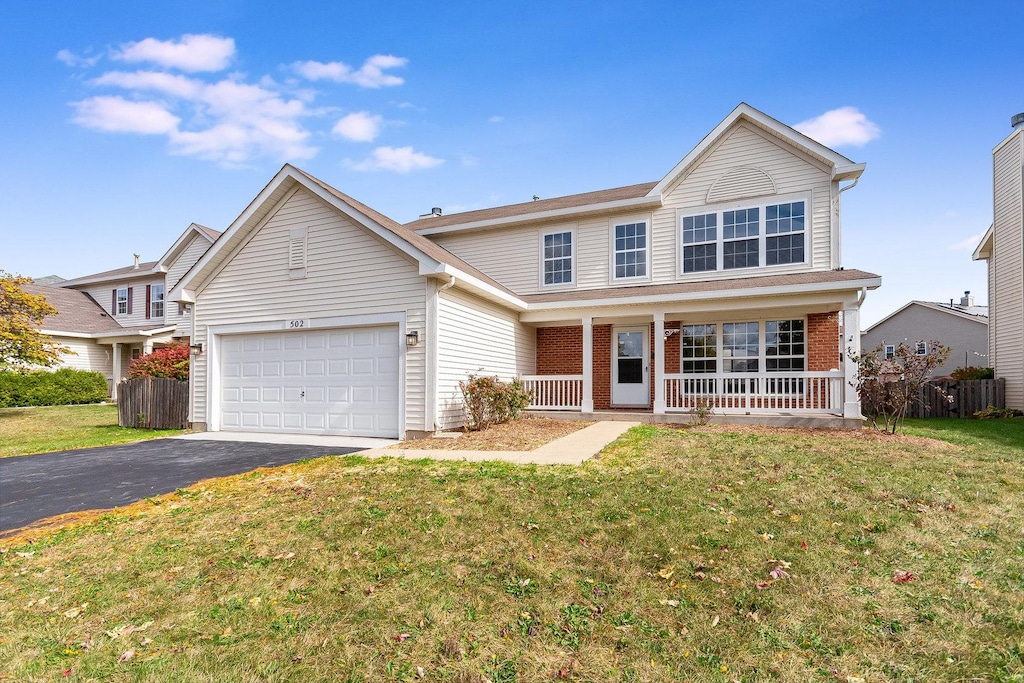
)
(805, 420)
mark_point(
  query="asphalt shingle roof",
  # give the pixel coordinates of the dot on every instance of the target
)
(76, 311)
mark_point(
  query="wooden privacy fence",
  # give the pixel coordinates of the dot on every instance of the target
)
(958, 398)
(152, 403)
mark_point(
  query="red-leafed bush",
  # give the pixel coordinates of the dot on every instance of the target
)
(170, 362)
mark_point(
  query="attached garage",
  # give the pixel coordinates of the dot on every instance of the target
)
(327, 381)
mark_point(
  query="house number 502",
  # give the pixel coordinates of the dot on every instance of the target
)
(293, 324)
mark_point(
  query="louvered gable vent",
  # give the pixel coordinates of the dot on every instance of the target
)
(297, 252)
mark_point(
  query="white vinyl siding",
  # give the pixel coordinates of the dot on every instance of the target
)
(508, 254)
(101, 293)
(174, 314)
(349, 272)
(476, 336)
(86, 354)
(1007, 293)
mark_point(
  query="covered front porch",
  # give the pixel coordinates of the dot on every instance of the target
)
(781, 361)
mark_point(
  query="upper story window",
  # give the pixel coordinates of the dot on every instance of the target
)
(156, 301)
(631, 251)
(922, 348)
(767, 234)
(557, 258)
(890, 351)
(121, 301)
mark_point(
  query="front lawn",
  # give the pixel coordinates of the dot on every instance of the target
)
(58, 428)
(706, 554)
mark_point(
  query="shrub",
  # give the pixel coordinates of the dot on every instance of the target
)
(971, 372)
(59, 388)
(993, 413)
(489, 401)
(888, 386)
(170, 362)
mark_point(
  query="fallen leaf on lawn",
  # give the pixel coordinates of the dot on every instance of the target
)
(254, 602)
(901, 576)
(226, 632)
(74, 611)
(125, 656)
(803, 545)
(714, 622)
(766, 536)
(401, 637)
(700, 576)
(761, 585)
(666, 573)
(670, 603)
(420, 673)
(28, 554)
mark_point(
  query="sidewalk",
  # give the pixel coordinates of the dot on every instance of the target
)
(569, 450)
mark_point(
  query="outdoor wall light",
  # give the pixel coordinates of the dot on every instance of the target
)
(196, 349)
(670, 332)
(412, 338)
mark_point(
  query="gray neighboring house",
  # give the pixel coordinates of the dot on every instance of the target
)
(962, 326)
(1003, 248)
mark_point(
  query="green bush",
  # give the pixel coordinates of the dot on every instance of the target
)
(58, 388)
(993, 413)
(971, 372)
(489, 401)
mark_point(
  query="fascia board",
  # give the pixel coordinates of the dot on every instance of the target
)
(984, 249)
(75, 335)
(180, 245)
(782, 290)
(476, 285)
(848, 172)
(603, 207)
(123, 277)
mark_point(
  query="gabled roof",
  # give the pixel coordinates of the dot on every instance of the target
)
(984, 249)
(77, 312)
(433, 259)
(144, 269)
(644, 194)
(194, 231)
(977, 314)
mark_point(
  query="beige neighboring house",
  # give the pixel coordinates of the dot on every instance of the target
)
(108, 319)
(721, 283)
(1003, 248)
(961, 325)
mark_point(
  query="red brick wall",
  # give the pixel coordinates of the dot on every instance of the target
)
(823, 341)
(602, 367)
(560, 350)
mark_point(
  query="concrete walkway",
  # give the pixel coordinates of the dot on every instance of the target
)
(569, 450)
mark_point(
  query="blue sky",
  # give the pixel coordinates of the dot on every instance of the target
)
(122, 123)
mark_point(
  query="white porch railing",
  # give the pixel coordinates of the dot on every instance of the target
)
(756, 392)
(554, 392)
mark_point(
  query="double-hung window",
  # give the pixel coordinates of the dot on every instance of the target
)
(156, 301)
(557, 258)
(631, 250)
(745, 348)
(121, 301)
(743, 237)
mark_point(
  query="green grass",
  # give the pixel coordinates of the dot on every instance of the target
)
(653, 562)
(58, 428)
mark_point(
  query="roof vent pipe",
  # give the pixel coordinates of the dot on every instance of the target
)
(1017, 121)
(435, 211)
(136, 261)
(966, 301)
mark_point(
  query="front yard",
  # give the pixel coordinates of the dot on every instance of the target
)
(704, 554)
(56, 428)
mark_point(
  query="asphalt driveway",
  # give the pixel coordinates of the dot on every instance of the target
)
(34, 487)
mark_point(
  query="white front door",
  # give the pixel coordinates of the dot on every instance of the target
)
(630, 366)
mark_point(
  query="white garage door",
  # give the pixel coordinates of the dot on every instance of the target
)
(316, 382)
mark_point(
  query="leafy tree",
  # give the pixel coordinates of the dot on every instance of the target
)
(22, 345)
(888, 386)
(170, 362)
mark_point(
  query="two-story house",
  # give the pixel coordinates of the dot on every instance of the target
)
(108, 319)
(1002, 247)
(721, 284)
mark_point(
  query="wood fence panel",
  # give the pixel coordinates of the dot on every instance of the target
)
(958, 398)
(152, 403)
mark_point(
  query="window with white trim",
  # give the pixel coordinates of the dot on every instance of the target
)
(764, 234)
(770, 346)
(890, 351)
(741, 347)
(557, 258)
(784, 346)
(631, 249)
(698, 349)
(156, 301)
(922, 348)
(122, 301)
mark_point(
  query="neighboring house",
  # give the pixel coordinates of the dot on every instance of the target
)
(720, 283)
(1003, 248)
(962, 327)
(110, 318)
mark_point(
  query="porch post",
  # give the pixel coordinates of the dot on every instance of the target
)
(659, 363)
(850, 346)
(115, 370)
(147, 347)
(588, 365)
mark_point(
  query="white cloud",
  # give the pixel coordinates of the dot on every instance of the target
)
(169, 84)
(398, 159)
(118, 115)
(358, 126)
(71, 59)
(369, 75)
(194, 52)
(840, 127)
(968, 243)
(496, 119)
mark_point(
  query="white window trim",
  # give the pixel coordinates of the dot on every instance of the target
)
(626, 220)
(119, 300)
(889, 351)
(762, 335)
(153, 301)
(575, 252)
(921, 348)
(762, 236)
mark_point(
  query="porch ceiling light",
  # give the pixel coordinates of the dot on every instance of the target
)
(412, 338)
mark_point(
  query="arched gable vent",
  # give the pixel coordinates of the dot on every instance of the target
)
(741, 183)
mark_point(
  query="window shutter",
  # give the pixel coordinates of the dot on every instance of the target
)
(148, 300)
(130, 300)
(113, 301)
(297, 249)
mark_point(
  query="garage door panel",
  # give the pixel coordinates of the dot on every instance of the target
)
(328, 382)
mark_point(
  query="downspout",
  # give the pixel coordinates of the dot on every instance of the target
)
(448, 285)
(432, 349)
